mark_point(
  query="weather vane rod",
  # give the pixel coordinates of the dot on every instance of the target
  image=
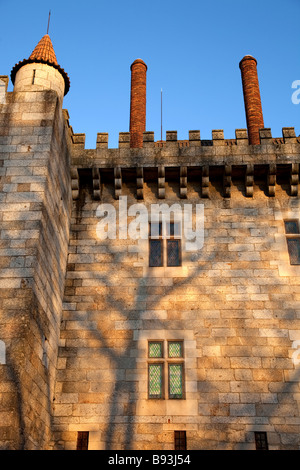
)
(49, 21)
(161, 115)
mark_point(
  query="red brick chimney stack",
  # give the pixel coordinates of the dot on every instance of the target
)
(253, 108)
(137, 103)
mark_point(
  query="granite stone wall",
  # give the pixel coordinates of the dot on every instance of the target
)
(34, 214)
(234, 303)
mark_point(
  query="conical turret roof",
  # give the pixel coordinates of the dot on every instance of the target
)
(44, 54)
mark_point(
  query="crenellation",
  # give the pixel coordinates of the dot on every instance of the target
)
(78, 141)
(124, 140)
(218, 137)
(102, 140)
(171, 136)
(265, 136)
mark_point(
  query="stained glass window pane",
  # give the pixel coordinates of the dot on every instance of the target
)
(155, 349)
(155, 255)
(291, 226)
(175, 348)
(175, 381)
(155, 380)
(294, 250)
(173, 253)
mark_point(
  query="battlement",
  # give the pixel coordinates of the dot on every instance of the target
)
(194, 139)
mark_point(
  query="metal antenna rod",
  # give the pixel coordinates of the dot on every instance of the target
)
(49, 21)
(161, 126)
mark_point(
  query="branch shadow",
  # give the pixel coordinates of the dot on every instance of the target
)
(122, 416)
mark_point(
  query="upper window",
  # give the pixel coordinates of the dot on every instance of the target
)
(293, 240)
(164, 244)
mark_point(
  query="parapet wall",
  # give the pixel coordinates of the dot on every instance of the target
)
(217, 159)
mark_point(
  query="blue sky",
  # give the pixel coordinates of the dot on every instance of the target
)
(192, 50)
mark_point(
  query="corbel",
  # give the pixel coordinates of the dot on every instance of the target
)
(161, 182)
(271, 179)
(294, 179)
(249, 180)
(118, 182)
(96, 183)
(227, 180)
(205, 181)
(75, 183)
(183, 182)
(140, 183)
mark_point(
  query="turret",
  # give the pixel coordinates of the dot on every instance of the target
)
(41, 71)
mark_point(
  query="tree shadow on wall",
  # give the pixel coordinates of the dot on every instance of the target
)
(231, 314)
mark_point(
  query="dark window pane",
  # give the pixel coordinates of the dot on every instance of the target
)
(175, 381)
(261, 442)
(294, 250)
(82, 440)
(173, 229)
(291, 226)
(155, 380)
(155, 229)
(155, 253)
(173, 253)
(180, 440)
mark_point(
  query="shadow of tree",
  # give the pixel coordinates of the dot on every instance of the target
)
(121, 418)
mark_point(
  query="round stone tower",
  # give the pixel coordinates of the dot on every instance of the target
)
(41, 71)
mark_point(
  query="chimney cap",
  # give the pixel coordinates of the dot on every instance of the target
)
(138, 61)
(248, 57)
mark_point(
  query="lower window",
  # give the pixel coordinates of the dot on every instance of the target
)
(82, 440)
(261, 442)
(179, 440)
(165, 369)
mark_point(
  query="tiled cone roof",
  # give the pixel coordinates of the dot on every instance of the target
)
(43, 53)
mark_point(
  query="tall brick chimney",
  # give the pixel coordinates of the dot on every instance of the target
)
(137, 103)
(253, 108)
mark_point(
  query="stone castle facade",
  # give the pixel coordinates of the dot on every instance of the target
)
(124, 343)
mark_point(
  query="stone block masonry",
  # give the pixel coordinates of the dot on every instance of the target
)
(145, 343)
(231, 305)
(34, 212)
